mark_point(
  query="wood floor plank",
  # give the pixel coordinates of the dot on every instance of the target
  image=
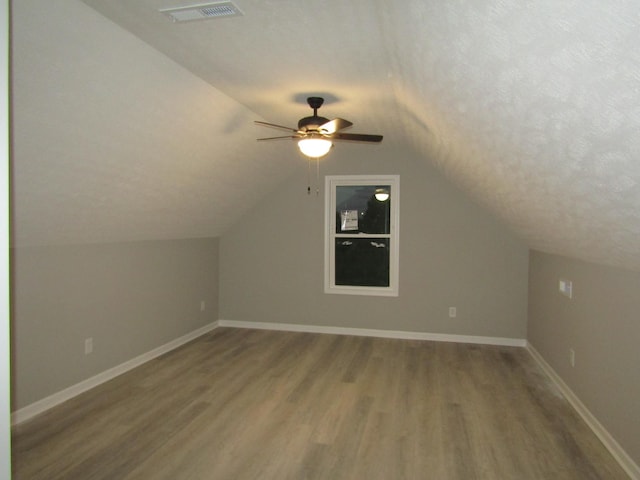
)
(254, 404)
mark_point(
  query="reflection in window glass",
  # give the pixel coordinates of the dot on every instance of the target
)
(359, 211)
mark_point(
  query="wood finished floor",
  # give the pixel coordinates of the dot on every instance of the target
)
(250, 404)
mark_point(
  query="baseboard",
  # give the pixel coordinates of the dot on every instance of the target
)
(366, 332)
(46, 403)
(625, 461)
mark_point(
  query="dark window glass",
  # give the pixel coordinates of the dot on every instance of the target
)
(359, 211)
(362, 262)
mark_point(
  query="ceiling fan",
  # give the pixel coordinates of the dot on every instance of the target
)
(316, 133)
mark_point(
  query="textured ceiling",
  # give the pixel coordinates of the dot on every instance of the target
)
(533, 108)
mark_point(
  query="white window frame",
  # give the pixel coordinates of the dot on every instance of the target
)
(333, 181)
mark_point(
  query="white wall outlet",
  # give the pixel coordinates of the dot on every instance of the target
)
(565, 287)
(202, 306)
(452, 312)
(88, 345)
(572, 357)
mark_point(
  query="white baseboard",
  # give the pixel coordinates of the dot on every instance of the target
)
(366, 332)
(46, 403)
(625, 461)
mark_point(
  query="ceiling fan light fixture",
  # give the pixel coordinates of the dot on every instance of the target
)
(314, 147)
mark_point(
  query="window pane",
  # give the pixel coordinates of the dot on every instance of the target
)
(362, 234)
(362, 262)
(359, 211)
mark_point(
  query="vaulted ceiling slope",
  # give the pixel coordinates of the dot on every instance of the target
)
(533, 108)
(113, 141)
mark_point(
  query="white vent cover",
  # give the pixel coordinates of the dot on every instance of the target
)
(202, 11)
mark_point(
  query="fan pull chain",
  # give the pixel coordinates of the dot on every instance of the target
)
(317, 176)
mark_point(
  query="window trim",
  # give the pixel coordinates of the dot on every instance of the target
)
(333, 181)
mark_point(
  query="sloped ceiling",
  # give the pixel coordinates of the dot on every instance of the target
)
(533, 108)
(113, 141)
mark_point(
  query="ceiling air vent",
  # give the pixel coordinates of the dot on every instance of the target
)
(202, 11)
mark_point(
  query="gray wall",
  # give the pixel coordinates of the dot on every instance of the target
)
(130, 297)
(601, 323)
(452, 253)
(5, 433)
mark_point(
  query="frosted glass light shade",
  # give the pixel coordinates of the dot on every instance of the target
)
(314, 147)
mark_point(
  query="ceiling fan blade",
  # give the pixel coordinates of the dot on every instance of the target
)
(276, 138)
(356, 137)
(273, 125)
(334, 125)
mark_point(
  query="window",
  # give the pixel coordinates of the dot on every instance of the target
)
(361, 234)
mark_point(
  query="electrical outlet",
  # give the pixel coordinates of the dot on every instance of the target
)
(202, 306)
(572, 357)
(452, 312)
(88, 345)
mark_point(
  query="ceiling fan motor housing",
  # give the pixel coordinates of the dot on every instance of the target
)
(311, 123)
(316, 127)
